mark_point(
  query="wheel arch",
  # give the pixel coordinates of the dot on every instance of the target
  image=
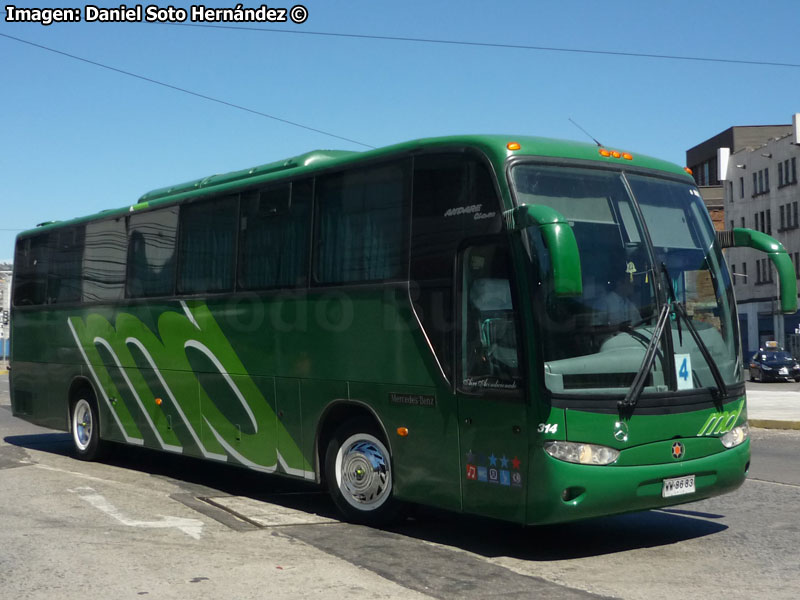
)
(78, 384)
(334, 415)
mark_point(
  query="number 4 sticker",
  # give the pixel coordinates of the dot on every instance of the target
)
(683, 366)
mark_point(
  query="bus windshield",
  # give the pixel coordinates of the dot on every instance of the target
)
(633, 231)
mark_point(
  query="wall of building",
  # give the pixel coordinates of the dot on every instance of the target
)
(5, 305)
(761, 191)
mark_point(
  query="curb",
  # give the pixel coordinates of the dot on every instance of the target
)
(774, 424)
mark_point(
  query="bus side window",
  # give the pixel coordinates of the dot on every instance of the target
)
(454, 198)
(207, 245)
(274, 226)
(30, 264)
(490, 358)
(151, 252)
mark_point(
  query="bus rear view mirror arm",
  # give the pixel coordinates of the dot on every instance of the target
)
(560, 241)
(742, 237)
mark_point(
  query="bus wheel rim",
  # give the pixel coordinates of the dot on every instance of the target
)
(363, 472)
(82, 424)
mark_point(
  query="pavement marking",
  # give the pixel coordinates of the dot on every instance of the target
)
(191, 527)
(74, 473)
(791, 485)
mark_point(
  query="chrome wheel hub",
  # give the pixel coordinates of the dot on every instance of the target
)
(82, 424)
(363, 472)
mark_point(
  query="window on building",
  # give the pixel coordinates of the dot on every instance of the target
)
(743, 223)
(783, 218)
(794, 211)
(794, 170)
(766, 180)
(741, 187)
(760, 182)
(780, 174)
(755, 184)
(769, 221)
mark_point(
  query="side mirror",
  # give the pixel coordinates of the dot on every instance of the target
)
(560, 242)
(750, 238)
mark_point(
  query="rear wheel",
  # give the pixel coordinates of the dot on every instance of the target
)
(358, 470)
(85, 427)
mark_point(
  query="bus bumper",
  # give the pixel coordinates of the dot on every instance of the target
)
(584, 491)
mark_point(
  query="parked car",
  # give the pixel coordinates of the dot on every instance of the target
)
(773, 363)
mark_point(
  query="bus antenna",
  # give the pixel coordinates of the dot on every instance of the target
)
(586, 132)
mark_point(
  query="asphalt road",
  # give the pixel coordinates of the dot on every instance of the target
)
(145, 524)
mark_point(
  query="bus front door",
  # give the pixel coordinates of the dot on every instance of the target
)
(492, 410)
(493, 456)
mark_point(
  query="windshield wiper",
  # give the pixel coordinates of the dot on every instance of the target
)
(632, 397)
(721, 390)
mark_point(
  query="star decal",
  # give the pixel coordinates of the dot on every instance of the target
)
(470, 457)
(515, 463)
(492, 460)
(504, 462)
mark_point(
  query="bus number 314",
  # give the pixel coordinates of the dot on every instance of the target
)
(547, 428)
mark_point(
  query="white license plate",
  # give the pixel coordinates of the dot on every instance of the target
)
(784, 371)
(678, 486)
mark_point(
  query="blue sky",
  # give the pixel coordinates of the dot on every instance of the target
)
(77, 138)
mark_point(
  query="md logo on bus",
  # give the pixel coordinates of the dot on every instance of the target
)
(721, 422)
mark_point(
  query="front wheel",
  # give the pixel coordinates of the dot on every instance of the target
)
(85, 428)
(358, 469)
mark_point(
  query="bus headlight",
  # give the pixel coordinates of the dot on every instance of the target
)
(584, 454)
(735, 436)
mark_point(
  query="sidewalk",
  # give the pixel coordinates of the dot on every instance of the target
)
(773, 410)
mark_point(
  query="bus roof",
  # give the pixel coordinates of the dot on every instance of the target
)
(494, 146)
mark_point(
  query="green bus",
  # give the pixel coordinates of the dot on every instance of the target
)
(523, 328)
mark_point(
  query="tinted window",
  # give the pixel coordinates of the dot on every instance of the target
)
(30, 271)
(208, 244)
(273, 242)
(454, 199)
(66, 259)
(151, 252)
(489, 358)
(359, 231)
(104, 261)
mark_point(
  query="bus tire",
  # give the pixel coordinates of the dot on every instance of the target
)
(358, 471)
(85, 427)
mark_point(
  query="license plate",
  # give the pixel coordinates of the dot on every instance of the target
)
(784, 371)
(678, 486)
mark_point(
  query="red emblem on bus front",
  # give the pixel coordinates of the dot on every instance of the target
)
(677, 450)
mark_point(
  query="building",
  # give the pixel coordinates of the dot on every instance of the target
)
(760, 191)
(5, 310)
(704, 162)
